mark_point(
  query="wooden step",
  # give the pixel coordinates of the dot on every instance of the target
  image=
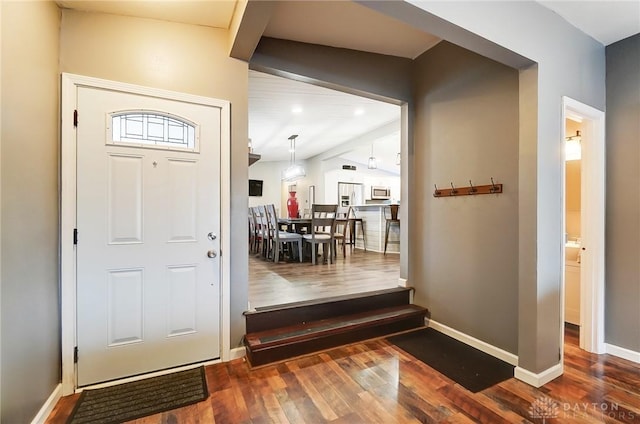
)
(277, 344)
(278, 316)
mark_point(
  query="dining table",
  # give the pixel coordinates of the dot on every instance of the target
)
(299, 225)
(303, 225)
(295, 225)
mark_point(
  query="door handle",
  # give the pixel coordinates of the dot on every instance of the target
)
(212, 254)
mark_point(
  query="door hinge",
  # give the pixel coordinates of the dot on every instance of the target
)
(75, 355)
(75, 118)
(75, 236)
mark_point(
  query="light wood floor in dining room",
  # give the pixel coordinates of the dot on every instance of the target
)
(376, 382)
(286, 282)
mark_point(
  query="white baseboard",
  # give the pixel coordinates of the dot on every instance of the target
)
(402, 282)
(623, 353)
(238, 352)
(48, 406)
(540, 379)
(508, 357)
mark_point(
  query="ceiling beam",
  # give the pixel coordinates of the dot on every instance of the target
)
(421, 19)
(247, 26)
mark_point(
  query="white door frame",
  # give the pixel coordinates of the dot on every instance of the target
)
(593, 189)
(70, 84)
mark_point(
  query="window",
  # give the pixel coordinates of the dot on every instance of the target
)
(152, 129)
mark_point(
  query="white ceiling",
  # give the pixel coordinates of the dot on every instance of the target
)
(347, 24)
(606, 21)
(324, 120)
(216, 13)
(327, 119)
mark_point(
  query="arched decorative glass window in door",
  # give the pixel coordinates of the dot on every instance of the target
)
(152, 129)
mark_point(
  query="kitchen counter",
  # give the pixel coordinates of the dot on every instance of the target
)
(375, 223)
(372, 205)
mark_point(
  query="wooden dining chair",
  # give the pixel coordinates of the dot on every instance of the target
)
(265, 236)
(279, 237)
(340, 234)
(323, 228)
(258, 237)
(253, 231)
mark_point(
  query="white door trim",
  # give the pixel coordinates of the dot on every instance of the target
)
(70, 83)
(593, 189)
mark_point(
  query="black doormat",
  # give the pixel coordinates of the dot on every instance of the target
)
(137, 399)
(466, 365)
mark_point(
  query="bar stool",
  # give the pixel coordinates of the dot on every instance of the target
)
(353, 234)
(391, 216)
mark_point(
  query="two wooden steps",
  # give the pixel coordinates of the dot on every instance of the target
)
(286, 331)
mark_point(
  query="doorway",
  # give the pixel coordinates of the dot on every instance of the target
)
(582, 291)
(572, 216)
(339, 161)
(143, 195)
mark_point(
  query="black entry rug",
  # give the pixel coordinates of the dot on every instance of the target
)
(466, 365)
(141, 398)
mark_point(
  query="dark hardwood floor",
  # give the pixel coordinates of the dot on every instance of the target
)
(287, 282)
(375, 382)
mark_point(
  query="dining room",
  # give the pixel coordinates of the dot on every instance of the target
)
(294, 278)
(313, 147)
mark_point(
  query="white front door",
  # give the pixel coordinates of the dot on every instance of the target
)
(148, 221)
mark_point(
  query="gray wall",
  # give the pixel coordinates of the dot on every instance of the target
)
(465, 260)
(464, 255)
(29, 154)
(568, 63)
(367, 74)
(622, 294)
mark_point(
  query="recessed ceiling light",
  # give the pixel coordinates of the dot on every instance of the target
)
(296, 110)
(358, 112)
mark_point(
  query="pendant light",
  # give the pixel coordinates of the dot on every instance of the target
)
(372, 164)
(294, 171)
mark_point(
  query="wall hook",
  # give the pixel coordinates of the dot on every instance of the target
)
(437, 192)
(453, 190)
(472, 189)
(493, 188)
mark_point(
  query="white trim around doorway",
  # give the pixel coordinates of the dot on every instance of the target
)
(70, 83)
(592, 225)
